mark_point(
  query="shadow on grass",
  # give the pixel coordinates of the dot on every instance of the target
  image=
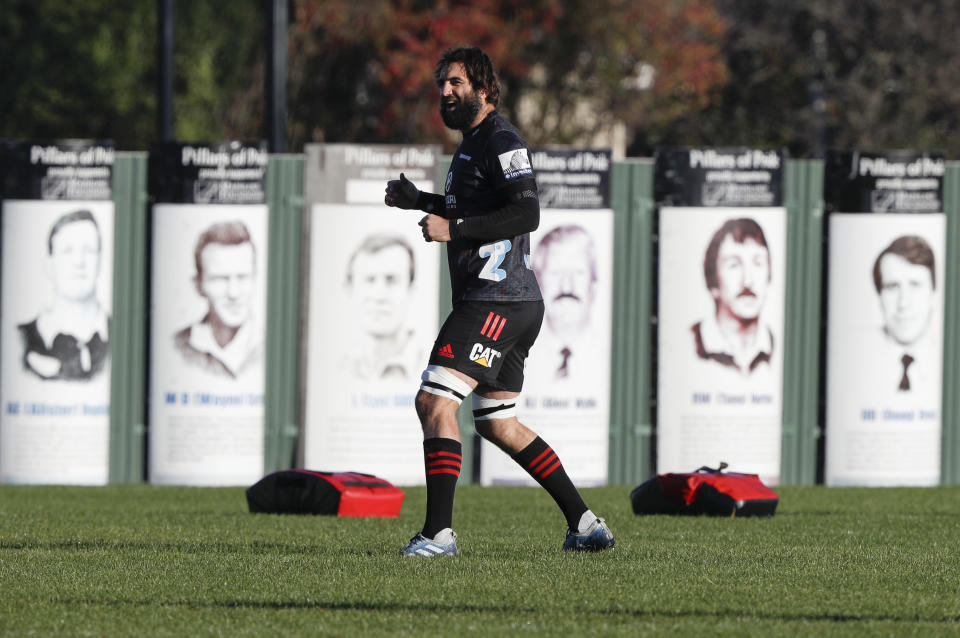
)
(386, 607)
(184, 547)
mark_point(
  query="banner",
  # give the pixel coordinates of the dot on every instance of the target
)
(56, 301)
(720, 327)
(572, 178)
(888, 182)
(373, 288)
(885, 318)
(358, 173)
(566, 388)
(718, 177)
(208, 314)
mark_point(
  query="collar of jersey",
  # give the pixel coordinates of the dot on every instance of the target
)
(476, 128)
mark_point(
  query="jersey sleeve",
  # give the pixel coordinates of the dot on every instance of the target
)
(508, 168)
(430, 203)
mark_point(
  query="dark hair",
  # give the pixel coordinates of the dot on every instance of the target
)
(912, 248)
(69, 218)
(559, 235)
(374, 244)
(741, 230)
(226, 233)
(479, 70)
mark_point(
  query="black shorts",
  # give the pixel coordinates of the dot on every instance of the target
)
(489, 341)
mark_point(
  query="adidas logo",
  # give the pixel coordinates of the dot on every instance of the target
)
(445, 351)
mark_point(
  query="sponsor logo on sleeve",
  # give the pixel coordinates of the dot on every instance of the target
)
(515, 163)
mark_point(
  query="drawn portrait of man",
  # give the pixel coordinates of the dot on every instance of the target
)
(380, 276)
(226, 340)
(566, 268)
(904, 276)
(737, 271)
(69, 338)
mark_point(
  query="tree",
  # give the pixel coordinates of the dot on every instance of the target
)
(363, 72)
(88, 69)
(571, 70)
(635, 64)
(69, 73)
(813, 74)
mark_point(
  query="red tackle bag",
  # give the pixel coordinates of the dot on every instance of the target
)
(332, 493)
(706, 491)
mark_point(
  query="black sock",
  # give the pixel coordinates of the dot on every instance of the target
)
(441, 461)
(543, 464)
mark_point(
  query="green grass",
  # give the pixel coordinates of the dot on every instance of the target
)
(143, 560)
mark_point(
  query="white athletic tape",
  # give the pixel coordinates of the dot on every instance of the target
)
(485, 409)
(438, 380)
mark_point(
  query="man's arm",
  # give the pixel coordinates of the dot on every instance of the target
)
(516, 218)
(520, 215)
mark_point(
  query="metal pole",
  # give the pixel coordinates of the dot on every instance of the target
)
(275, 86)
(165, 20)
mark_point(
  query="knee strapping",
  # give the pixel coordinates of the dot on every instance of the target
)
(438, 380)
(485, 409)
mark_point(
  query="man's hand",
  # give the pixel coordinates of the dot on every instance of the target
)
(401, 193)
(435, 228)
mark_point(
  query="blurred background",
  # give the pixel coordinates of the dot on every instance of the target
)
(804, 75)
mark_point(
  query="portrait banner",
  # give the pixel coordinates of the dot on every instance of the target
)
(718, 177)
(885, 348)
(566, 388)
(207, 333)
(720, 334)
(372, 319)
(56, 304)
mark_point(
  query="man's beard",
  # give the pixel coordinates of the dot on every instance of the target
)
(463, 114)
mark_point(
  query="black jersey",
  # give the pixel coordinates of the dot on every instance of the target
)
(491, 172)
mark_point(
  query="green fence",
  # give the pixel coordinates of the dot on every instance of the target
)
(633, 390)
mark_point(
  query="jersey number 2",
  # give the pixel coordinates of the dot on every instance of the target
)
(494, 253)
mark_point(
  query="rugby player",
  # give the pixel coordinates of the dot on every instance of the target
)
(489, 207)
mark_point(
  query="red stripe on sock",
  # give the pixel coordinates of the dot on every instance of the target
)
(443, 470)
(455, 464)
(551, 469)
(538, 469)
(540, 456)
(454, 455)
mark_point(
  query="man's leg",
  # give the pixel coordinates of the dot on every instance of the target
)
(494, 413)
(440, 395)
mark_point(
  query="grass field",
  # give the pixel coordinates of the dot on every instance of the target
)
(143, 560)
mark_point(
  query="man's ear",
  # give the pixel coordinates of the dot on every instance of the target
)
(483, 94)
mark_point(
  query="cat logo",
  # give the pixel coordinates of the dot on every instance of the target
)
(483, 355)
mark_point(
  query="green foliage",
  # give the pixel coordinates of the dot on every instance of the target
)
(804, 75)
(810, 75)
(142, 560)
(88, 69)
(69, 73)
